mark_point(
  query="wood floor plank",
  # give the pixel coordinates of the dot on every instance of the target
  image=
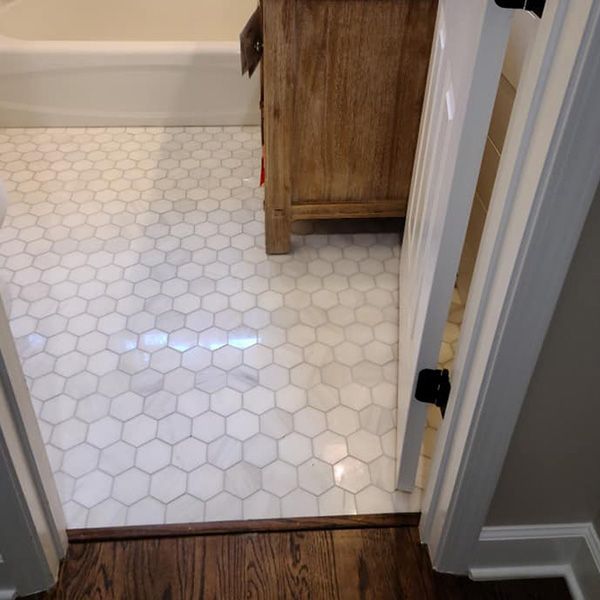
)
(291, 565)
(223, 567)
(160, 569)
(98, 569)
(310, 572)
(347, 564)
(461, 588)
(368, 562)
(263, 567)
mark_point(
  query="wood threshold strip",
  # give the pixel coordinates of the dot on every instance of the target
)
(106, 534)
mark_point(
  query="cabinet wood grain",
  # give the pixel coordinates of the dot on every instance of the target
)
(344, 82)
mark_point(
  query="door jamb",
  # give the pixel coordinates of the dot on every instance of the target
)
(548, 174)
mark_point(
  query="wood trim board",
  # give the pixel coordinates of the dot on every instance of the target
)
(376, 521)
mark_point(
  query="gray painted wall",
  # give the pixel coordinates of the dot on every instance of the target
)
(551, 473)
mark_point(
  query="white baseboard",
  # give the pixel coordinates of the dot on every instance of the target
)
(570, 550)
(7, 594)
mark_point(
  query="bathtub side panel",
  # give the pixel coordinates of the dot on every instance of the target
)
(45, 85)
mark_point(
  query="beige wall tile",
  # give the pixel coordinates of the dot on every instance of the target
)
(523, 32)
(487, 174)
(502, 111)
(471, 246)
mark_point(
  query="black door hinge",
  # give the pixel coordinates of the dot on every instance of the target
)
(535, 6)
(433, 387)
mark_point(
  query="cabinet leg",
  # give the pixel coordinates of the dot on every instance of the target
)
(278, 229)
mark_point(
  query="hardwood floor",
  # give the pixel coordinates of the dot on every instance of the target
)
(376, 563)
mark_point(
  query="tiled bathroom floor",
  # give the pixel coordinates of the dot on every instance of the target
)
(180, 374)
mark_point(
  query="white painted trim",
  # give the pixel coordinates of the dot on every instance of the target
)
(548, 174)
(569, 550)
(533, 572)
(535, 532)
(593, 543)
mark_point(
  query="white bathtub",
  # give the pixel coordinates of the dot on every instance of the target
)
(124, 62)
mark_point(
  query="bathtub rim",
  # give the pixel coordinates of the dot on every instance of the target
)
(116, 46)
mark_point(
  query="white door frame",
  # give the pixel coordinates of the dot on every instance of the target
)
(548, 174)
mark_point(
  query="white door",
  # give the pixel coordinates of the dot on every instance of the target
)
(468, 51)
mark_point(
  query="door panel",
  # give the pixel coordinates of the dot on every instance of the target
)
(467, 55)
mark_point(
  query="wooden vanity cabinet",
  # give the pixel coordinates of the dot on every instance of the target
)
(343, 84)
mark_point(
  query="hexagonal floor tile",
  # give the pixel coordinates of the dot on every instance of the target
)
(205, 482)
(279, 478)
(179, 373)
(243, 480)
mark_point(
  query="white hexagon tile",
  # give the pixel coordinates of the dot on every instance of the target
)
(178, 373)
